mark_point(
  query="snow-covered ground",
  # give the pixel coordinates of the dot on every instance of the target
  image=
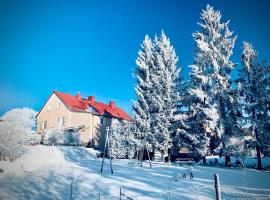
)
(46, 172)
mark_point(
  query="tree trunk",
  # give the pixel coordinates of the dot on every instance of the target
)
(153, 149)
(204, 160)
(141, 153)
(169, 155)
(162, 156)
(228, 161)
(259, 158)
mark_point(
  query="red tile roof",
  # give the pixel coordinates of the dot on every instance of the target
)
(76, 103)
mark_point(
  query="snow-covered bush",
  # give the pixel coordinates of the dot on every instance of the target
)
(51, 137)
(35, 139)
(71, 138)
(42, 138)
(15, 128)
(59, 137)
(54, 137)
(93, 152)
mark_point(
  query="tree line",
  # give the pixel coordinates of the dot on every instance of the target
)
(210, 113)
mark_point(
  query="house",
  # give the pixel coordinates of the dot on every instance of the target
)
(89, 117)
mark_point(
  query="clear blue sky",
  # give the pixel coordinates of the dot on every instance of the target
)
(91, 46)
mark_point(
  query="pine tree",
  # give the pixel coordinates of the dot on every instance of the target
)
(180, 126)
(253, 86)
(143, 89)
(165, 94)
(234, 138)
(210, 80)
(132, 141)
(156, 75)
(118, 139)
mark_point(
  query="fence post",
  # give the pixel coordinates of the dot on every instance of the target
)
(98, 192)
(217, 187)
(71, 188)
(120, 193)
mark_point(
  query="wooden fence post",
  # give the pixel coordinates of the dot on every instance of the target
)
(98, 192)
(120, 194)
(170, 195)
(217, 187)
(71, 188)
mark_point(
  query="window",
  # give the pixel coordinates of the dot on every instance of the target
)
(49, 107)
(43, 125)
(61, 121)
(58, 105)
(101, 120)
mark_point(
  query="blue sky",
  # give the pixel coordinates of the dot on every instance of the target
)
(91, 46)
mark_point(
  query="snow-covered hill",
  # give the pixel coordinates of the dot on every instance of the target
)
(46, 172)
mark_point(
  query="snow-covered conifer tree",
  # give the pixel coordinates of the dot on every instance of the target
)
(165, 95)
(233, 138)
(180, 134)
(254, 95)
(143, 89)
(156, 92)
(132, 141)
(210, 80)
(118, 140)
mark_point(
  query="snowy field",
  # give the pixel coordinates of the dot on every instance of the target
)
(46, 172)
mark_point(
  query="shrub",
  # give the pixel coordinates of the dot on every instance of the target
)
(35, 139)
(71, 138)
(43, 138)
(15, 128)
(58, 137)
(54, 138)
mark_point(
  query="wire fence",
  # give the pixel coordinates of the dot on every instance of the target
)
(194, 192)
(171, 190)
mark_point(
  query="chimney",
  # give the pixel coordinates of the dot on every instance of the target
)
(78, 96)
(91, 99)
(112, 104)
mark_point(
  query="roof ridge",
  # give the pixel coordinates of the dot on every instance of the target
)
(83, 104)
